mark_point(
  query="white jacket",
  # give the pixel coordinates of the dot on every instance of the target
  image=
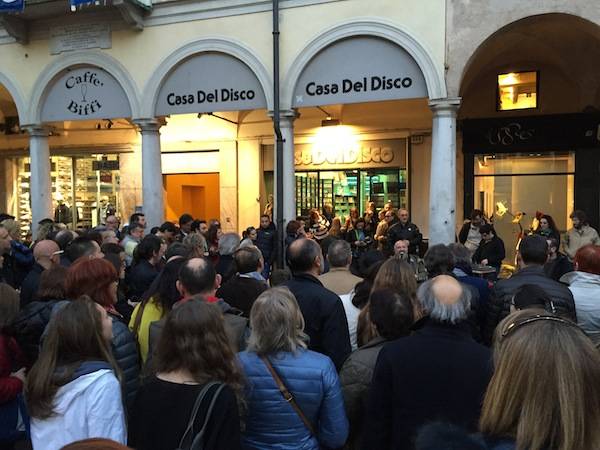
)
(87, 407)
(586, 293)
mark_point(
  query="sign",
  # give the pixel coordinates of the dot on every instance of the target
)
(359, 155)
(78, 37)
(105, 165)
(533, 133)
(85, 93)
(12, 5)
(359, 69)
(210, 82)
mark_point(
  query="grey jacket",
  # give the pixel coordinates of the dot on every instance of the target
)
(236, 328)
(355, 377)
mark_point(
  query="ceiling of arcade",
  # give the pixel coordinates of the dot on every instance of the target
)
(565, 50)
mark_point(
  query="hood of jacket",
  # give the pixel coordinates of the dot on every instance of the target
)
(577, 278)
(71, 392)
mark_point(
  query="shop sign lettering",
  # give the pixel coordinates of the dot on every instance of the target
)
(83, 92)
(365, 84)
(513, 133)
(317, 156)
(213, 96)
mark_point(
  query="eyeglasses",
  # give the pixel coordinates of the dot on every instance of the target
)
(537, 318)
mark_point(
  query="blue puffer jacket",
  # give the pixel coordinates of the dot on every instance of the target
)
(272, 423)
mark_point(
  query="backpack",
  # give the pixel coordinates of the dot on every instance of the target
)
(189, 440)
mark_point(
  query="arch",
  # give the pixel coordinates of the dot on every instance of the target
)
(16, 94)
(456, 80)
(93, 58)
(433, 73)
(211, 44)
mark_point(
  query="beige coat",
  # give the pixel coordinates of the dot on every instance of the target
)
(339, 280)
(575, 239)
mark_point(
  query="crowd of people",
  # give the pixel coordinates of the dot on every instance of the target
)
(184, 336)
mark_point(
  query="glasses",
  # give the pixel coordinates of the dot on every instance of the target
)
(537, 318)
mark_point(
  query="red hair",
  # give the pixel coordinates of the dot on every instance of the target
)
(587, 259)
(91, 277)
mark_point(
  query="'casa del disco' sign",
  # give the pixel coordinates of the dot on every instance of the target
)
(209, 82)
(359, 69)
(85, 93)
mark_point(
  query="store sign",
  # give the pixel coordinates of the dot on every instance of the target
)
(359, 69)
(85, 93)
(210, 82)
(105, 165)
(362, 154)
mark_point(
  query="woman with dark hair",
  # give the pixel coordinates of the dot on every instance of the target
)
(98, 279)
(392, 316)
(146, 265)
(491, 248)
(548, 229)
(359, 240)
(155, 306)
(276, 360)
(72, 390)
(193, 358)
(213, 235)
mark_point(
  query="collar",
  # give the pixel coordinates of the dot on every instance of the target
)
(253, 275)
(305, 276)
(376, 341)
(338, 269)
(533, 268)
(430, 327)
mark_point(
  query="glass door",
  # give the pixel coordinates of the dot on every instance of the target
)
(382, 186)
(307, 192)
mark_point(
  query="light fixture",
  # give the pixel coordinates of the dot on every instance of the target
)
(501, 209)
(329, 121)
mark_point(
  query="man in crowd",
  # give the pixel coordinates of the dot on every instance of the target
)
(266, 241)
(168, 232)
(138, 218)
(18, 259)
(401, 252)
(46, 253)
(469, 234)
(242, 289)
(323, 312)
(185, 226)
(439, 373)
(199, 226)
(83, 247)
(135, 233)
(533, 253)
(581, 234)
(112, 224)
(558, 264)
(406, 230)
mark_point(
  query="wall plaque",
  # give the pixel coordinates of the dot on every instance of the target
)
(79, 37)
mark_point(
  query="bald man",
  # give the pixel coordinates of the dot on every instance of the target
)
(439, 373)
(404, 229)
(45, 253)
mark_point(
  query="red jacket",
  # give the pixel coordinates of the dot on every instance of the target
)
(11, 359)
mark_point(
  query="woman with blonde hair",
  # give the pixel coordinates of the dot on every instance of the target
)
(545, 392)
(293, 394)
(397, 276)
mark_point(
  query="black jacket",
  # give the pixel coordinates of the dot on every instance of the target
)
(499, 306)
(463, 234)
(29, 326)
(324, 317)
(225, 267)
(126, 355)
(30, 285)
(438, 373)
(557, 268)
(139, 278)
(409, 232)
(266, 241)
(240, 292)
(493, 251)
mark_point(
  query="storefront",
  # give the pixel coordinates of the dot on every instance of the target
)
(516, 167)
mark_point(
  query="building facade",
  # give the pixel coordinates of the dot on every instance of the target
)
(169, 109)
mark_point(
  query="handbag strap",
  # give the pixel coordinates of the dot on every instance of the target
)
(287, 395)
(188, 434)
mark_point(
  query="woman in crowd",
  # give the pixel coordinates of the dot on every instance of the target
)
(382, 227)
(398, 276)
(228, 244)
(157, 305)
(213, 235)
(336, 228)
(548, 228)
(146, 265)
(12, 369)
(98, 279)
(72, 390)
(584, 283)
(193, 357)
(561, 409)
(359, 239)
(392, 316)
(197, 245)
(277, 357)
(352, 218)
(249, 237)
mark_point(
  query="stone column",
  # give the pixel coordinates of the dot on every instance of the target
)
(40, 184)
(289, 171)
(152, 184)
(442, 182)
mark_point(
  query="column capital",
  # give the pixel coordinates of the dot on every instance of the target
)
(149, 125)
(287, 115)
(445, 106)
(37, 130)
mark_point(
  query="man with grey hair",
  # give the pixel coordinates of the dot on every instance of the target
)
(228, 244)
(340, 280)
(439, 373)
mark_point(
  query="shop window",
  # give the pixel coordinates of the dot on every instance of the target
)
(511, 188)
(517, 90)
